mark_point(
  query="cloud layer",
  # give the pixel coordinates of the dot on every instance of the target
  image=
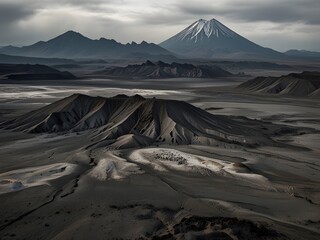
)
(280, 24)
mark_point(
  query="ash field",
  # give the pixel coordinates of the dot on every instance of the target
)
(83, 161)
(204, 136)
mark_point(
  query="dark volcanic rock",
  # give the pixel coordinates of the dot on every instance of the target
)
(164, 70)
(196, 227)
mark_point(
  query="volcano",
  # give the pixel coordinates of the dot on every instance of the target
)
(212, 39)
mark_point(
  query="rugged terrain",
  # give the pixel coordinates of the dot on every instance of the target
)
(123, 122)
(90, 179)
(164, 70)
(194, 148)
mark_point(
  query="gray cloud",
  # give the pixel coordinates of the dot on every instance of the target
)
(273, 11)
(11, 12)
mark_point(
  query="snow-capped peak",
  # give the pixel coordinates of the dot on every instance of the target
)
(206, 29)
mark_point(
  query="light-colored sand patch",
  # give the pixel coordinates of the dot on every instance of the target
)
(29, 177)
(113, 167)
(162, 159)
(11, 92)
(143, 92)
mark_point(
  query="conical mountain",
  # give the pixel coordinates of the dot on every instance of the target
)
(212, 39)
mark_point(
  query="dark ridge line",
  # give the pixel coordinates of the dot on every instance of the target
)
(75, 185)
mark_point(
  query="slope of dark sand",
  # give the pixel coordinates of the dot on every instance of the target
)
(297, 85)
(32, 72)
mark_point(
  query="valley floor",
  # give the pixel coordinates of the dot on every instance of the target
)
(52, 187)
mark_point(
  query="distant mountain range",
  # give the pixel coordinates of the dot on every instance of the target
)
(33, 60)
(302, 54)
(74, 45)
(212, 39)
(201, 40)
(294, 84)
(164, 70)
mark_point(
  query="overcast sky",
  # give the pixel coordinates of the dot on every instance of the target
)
(279, 24)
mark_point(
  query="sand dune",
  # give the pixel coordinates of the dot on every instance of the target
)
(299, 85)
(32, 72)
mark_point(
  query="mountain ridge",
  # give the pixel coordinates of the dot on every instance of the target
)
(303, 54)
(127, 121)
(160, 69)
(72, 44)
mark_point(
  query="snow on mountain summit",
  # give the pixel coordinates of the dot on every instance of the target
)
(205, 29)
(212, 39)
